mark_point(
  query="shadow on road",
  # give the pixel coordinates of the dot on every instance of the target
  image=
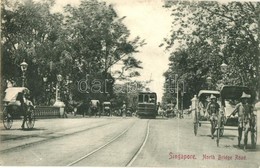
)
(248, 149)
(26, 129)
(230, 137)
(34, 129)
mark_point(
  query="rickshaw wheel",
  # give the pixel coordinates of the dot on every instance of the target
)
(254, 134)
(253, 138)
(218, 135)
(7, 119)
(30, 120)
(195, 128)
(196, 124)
(221, 133)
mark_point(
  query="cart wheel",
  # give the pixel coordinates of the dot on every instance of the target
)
(221, 133)
(30, 120)
(195, 129)
(7, 119)
(253, 138)
(218, 135)
(196, 124)
(254, 132)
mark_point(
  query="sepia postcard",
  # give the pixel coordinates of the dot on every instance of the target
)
(138, 83)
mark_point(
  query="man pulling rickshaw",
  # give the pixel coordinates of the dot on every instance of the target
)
(245, 116)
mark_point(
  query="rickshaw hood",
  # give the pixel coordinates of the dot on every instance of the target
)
(12, 92)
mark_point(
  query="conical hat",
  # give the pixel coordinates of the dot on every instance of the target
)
(212, 96)
(244, 95)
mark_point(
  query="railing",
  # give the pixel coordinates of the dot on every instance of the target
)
(47, 112)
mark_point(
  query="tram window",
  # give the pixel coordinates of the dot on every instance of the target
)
(140, 98)
(146, 98)
(152, 99)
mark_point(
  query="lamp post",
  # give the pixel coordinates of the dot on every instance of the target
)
(45, 94)
(171, 90)
(23, 66)
(182, 97)
(58, 102)
(224, 68)
(59, 79)
(68, 82)
(177, 91)
(209, 80)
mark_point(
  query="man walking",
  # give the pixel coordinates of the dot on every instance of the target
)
(244, 110)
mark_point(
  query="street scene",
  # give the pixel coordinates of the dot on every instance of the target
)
(144, 83)
(120, 142)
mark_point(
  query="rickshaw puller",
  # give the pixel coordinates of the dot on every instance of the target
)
(244, 110)
(213, 111)
(21, 98)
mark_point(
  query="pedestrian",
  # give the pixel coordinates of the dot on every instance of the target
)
(213, 111)
(123, 108)
(245, 111)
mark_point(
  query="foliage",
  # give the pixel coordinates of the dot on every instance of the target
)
(128, 92)
(208, 33)
(81, 44)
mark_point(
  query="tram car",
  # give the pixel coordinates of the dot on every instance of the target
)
(147, 105)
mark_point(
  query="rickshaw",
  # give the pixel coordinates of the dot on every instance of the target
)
(94, 107)
(230, 96)
(107, 108)
(200, 111)
(16, 105)
(170, 111)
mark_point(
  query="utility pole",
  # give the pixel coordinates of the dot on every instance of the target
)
(177, 90)
(182, 97)
(177, 96)
(258, 57)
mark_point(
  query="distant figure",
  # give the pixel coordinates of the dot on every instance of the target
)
(94, 107)
(123, 109)
(158, 107)
(82, 108)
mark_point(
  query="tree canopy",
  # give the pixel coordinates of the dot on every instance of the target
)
(80, 44)
(207, 34)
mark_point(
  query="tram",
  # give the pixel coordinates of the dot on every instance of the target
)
(147, 105)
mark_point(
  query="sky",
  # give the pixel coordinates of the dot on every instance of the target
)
(149, 20)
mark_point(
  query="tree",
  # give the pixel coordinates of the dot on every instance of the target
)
(28, 32)
(97, 39)
(80, 45)
(210, 33)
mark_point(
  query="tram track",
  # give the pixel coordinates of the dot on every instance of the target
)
(141, 147)
(48, 137)
(113, 140)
